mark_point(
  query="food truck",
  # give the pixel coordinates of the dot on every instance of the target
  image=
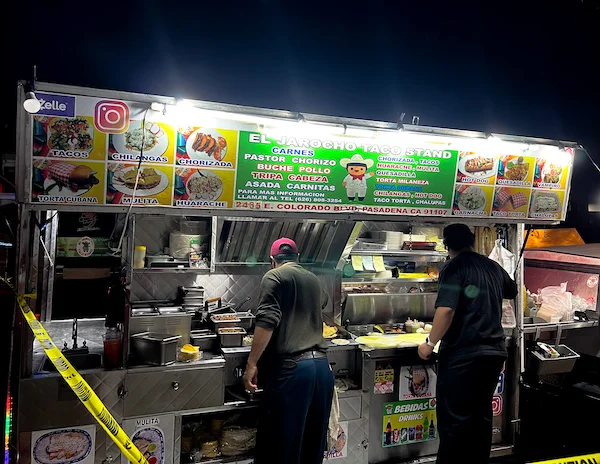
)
(145, 225)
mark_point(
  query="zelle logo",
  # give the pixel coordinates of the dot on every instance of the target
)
(111, 116)
(56, 105)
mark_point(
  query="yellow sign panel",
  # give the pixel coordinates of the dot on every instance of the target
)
(587, 459)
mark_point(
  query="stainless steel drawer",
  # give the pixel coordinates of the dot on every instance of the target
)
(173, 390)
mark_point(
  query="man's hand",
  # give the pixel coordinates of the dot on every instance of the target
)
(425, 351)
(251, 378)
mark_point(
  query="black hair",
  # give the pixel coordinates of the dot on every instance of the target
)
(286, 253)
(458, 237)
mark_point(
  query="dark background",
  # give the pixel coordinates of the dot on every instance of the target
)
(519, 67)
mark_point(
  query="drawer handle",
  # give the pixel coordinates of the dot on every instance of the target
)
(122, 392)
(175, 386)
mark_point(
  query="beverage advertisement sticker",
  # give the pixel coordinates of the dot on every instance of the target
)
(384, 378)
(340, 449)
(408, 422)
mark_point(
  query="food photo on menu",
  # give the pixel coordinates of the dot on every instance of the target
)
(153, 182)
(64, 181)
(550, 172)
(546, 204)
(152, 140)
(471, 200)
(63, 137)
(515, 170)
(511, 202)
(476, 167)
(202, 187)
(207, 147)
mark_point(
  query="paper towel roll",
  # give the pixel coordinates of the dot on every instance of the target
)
(181, 244)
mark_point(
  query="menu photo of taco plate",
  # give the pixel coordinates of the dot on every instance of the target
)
(154, 142)
(61, 137)
(472, 200)
(67, 181)
(153, 183)
(511, 202)
(207, 147)
(515, 170)
(203, 187)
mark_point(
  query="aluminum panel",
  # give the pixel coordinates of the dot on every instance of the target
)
(172, 391)
(48, 402)
(350, 408)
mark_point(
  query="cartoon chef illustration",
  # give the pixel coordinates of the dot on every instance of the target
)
(356, 180)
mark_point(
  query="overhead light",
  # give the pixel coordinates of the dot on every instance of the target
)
(31, 103)
(357, 132)
(158, 107)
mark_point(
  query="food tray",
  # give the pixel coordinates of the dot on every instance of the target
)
(544, 366)
(231, 337)
(246, 320)
(204, 339)
(225, 320)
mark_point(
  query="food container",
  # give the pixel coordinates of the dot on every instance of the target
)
(204, 339)
(225, 320)
(156, 260)
(246, 320)
(139, 254)
(231, 337)
(370, 245)
(154, 348)
(561, 365)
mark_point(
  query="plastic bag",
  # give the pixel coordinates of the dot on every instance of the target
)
(556, 300)
(236, 440)
(509, 321)
(504, 258)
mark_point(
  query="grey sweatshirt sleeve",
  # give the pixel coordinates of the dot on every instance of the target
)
(268, 312)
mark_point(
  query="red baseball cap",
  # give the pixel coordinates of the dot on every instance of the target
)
(275, 248)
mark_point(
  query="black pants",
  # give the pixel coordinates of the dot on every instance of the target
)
(294, 417)
(464, 408)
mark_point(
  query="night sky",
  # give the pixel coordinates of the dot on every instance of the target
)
(519, 67)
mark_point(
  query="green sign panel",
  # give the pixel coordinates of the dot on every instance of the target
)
(299, 173)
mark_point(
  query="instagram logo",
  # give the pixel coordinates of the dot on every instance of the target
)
(111, 116)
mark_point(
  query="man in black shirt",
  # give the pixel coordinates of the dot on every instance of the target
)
(294, 370)
(472, 352)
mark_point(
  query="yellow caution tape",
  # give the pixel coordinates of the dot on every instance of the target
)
(587, 459)
(79, 386)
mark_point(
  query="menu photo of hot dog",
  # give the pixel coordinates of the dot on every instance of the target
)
(476, 168)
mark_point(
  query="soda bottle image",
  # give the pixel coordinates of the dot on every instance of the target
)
(431, 430)
(388, 434)
(404, 435)
(411, 433)
(426, 428)
(419, 432)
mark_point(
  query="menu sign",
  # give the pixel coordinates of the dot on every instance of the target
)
(91, 154)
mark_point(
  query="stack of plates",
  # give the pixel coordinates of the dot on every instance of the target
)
(394, 240)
